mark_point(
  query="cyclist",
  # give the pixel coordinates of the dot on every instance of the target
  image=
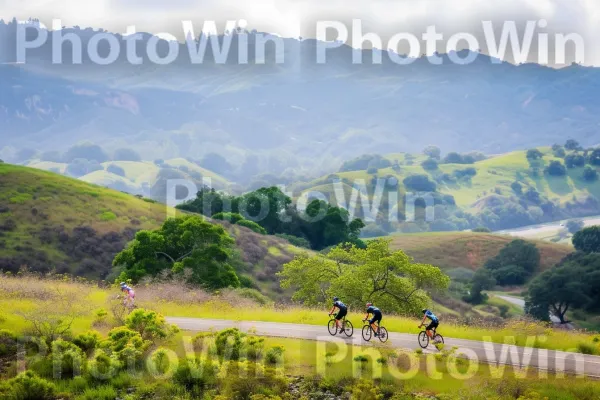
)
(343, 310)
(433, 324)
(129, 294)
(377, 315)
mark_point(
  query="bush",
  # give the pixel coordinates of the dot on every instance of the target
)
(87, 341)
(419, 183)
(482, 229)
(465, 173)
(108, 216)
(149, 324)
(517, 188)
(227, 216)
(125, 344)
(103, 365)
(252, 226)
(8, 344)
(27, 386)
(429, 164)
(275, 355)
(115, 169)
(556, 168)
(68, 359)
(295, 240)
(196, 374)
(254, 295)
(372, 170)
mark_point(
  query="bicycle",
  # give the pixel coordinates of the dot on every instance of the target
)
(368, 332)
(347, 327)
(424, 339)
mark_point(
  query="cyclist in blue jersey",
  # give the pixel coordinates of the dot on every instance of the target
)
(377, 316)
(433, 324)
(342, 311)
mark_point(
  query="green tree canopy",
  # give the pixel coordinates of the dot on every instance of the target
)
(587, 240)
(183, 243)
(377, 274)
(517, 261)
(556, 290)
(432, 152)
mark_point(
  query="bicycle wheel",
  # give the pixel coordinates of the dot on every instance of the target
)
(331, 327)
(423, 339)
(349, 329)
(383, 334)
(367, 332)
(438, 338)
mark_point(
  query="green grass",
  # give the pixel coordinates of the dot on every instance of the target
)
(495, 172)
(41, 201)
(18, 295)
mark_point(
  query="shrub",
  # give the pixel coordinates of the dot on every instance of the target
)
(227, 216)
(108, 216)
(274, 355)
(149, 324)
(481, 229)
(196, 374)
(556, 168)
(87, 341)
(587, 348)
(27, 386)
(430, 164)
(420, 183)
(68, 359)
(125, 344)
(115, 169)
(8, 344)
(295, 240)
(104, 366)
(253, 226)
(100, 316)
(254, 295)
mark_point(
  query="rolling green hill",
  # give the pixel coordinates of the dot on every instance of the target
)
(488, 198)
(138, 177)
(51, 222)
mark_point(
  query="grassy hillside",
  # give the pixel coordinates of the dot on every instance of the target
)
(139, 177)
(487, 197)
(48, 221)
(468, 249)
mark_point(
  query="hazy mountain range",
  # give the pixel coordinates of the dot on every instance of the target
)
(299, 114)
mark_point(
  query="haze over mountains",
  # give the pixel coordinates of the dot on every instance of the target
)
(299, 115)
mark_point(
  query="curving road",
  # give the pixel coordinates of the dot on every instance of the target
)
(485, 352)
(521, 303)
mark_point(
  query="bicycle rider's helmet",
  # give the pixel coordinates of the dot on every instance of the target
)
(336, 298)
(424, 310)
(369, 305)
(123, 284)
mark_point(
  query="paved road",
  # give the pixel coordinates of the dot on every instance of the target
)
(486, 352)
(521, 303)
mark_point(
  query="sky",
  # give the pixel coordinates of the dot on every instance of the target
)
(293, 18)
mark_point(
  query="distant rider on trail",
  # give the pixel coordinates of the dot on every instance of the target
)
(129, 294)
(343, 310)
